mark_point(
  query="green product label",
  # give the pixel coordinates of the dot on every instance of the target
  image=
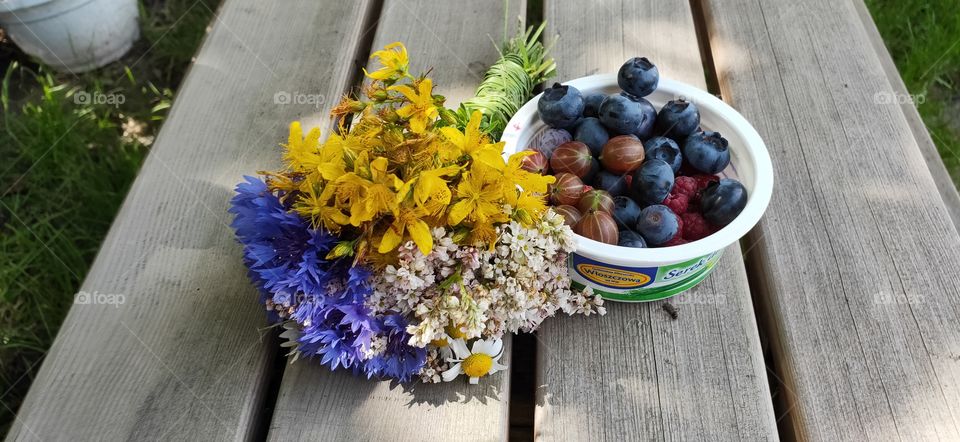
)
(669, 281)
(677, 272)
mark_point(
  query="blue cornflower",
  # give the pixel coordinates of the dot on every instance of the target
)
(287, 262)
(339, 327)
(283, 254)
(400, 360)
(341, 330)
(339, 334)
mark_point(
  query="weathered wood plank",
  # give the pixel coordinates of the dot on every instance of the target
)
(454, 38)
(857, 255)
(635, 373)
(316, 404)
(945, 184)
(181, 358)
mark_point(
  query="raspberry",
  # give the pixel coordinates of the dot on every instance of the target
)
(692, 186)
(704, 180)
(695, 226)
(686, 185)
(677, 202)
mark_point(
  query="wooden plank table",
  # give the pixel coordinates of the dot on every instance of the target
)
(948, 190)
(183, 358)
(856, 257)
(849, 276)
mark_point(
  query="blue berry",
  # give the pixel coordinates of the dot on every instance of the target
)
(622, 114)
(658, 224)
(591, 104)
(614, 184)
(678, 119)
(638, 77)
(663, 148)
(722, 201)
(707, 152)
(625, 212)
(652, 182)
(595, 168)
(649, 119)
(589, 131)
(560, 106)
(629, 238)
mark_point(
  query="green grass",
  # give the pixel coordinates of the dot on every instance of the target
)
(924, 39)
(64, 171)
(174, 29)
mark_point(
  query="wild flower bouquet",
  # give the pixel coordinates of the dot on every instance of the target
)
(404, 246)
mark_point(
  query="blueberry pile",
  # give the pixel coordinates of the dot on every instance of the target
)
(628, 174)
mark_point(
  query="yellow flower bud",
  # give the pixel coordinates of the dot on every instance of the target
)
(343, 248)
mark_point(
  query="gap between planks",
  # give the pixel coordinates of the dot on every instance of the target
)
(758, 292)
(636, 373)
(279, 359)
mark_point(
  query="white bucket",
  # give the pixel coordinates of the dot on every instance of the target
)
(71, 35)
(630, 274)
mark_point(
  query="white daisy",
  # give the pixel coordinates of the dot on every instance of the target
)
(481, 360)
(442, 345)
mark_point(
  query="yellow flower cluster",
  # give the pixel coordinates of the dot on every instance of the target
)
(403, 168)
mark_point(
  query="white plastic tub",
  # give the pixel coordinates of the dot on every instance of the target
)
(629, 274)
(71, 35)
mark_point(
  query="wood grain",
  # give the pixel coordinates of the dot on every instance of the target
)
(637, 374)
(182, 358)
(856, 257)
(454, 38)
(945, 184)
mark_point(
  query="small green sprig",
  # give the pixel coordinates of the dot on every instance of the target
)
(524, 63)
